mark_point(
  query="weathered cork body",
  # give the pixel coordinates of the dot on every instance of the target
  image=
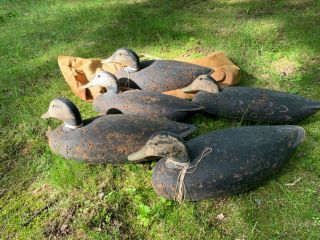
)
(259, 105)
(241, 159)
(110, 139)
(146, 103)
(162, 75)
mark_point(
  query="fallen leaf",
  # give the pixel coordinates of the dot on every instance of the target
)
(220, 217)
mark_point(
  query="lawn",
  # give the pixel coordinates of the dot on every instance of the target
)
(276, 43)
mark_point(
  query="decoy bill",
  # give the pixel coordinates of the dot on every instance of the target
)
(138, 102)
(219, 163)
(104, 139)
(154, 75)
(252, 104)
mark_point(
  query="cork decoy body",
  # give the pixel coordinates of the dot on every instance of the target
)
(252, 104)
(138, 102)
(219, 163)
(155, 75)
(104, 139)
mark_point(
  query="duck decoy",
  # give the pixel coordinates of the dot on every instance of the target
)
(155, 75)
(138, 102)
(252, 104)
(220, 163)
(104, 139)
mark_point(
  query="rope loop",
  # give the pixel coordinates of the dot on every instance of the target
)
(184, 167)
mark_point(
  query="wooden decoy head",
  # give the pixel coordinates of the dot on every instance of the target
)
(203, 83)
(125, 57)
(64, 110)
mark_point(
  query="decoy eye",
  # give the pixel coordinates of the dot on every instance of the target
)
(156, 144)
(201, 78)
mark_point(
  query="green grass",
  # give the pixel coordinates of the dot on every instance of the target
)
(275, 43)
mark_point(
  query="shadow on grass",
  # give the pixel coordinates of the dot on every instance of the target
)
(99, 30)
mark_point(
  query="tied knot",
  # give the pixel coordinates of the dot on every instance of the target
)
(185, 168)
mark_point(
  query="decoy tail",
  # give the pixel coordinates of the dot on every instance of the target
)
(185, 130)
(313, 107)
(201, 108)
(316, 107)
(296, 133)
(197, 107)
(301, 133)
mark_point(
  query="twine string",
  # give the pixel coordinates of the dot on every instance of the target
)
(180, 189)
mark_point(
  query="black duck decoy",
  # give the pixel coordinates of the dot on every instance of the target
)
(138, 102)
(219, 163)
(252, 104)
(154, 75)
(104, 139)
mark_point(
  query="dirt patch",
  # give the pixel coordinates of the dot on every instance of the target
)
(61, 227)
(285, 67)
(298, 5)
(197, 48)
(106, 219)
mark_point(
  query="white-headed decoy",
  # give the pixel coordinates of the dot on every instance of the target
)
(138, 102)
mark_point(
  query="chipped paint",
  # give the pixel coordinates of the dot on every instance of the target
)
(146, 103)
(255, 154)
(110, 139)
(163, 75)
(260, 105)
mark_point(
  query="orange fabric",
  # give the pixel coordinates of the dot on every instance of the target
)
(225, 72)
(79, 71)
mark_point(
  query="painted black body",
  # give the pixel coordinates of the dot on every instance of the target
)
(162, 75)
(259, 105)
(241, 159)
(110, 139)
(146, 103)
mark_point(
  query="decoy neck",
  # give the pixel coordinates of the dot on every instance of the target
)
(104, 79)
(203, 83)
(163, 144)
(125, 57)
(66, 111)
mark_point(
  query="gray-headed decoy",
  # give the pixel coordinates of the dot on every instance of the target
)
(219, 163)
(104, 139)
(154, 75)
(252, 104)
